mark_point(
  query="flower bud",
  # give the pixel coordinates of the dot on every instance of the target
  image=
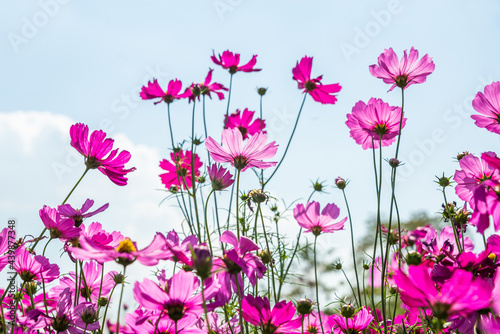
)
(366, 266)
(103, 301)
(347, 311)
(89, 315)
(393, 162)
(262, 91)
(265, 256)
(304, 306)
(202, 260)
(461, 155)
(414, 259)
(119, 278)
(340, 183)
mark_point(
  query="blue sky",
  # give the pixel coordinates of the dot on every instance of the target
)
(64, 62)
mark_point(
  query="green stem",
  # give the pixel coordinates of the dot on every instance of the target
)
(204, 304)
(259, 210)
(120, 303)
(240, 302)
(170, 126)
(228, 100)
(287, 145)
(353, 248)
(206, 222)
(193, 176)
(316, 283)
(106, 309)
(237, 209)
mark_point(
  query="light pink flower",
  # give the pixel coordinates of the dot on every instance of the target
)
(34, 268)
(98, 153)
(220, 177)
(242, 156)
(153, 91)
(374, 121)
(257, 311)
(309, 218)
(319, 92)
(179, 170)
(410, 70)
(488, 104)
(231, 61)
(357, 323)
(242, 120)
(474, 171)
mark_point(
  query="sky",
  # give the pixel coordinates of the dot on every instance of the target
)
(64, 62)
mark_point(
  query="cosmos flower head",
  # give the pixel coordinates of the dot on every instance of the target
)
(410, 70)
(154, 91)
(318, 91)
(98, 152)
(487, 104)
(242, 156)
(374, 122)
(242, 120)
(309, 218)
(179, 169)
(231, 62)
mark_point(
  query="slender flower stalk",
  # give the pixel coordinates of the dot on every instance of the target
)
(237, 209)
(228, 100)
(316, 284)
(287, 145)
(120, 303)
(193, 173)
(206, 222)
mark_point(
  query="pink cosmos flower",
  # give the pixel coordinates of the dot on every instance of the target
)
(144, 322)
(488, 104)
(243, 122)
(125, 253)
(460, 295)
(374, 121)
(66, 210)
(220, 177)
(205, 88)
(154, 91)
(34, 268)
(312, 324)
(98, 154)
(357, 323)
(257, 311)
(230, 61)
(62, 228)
(180, 171)
(309, 218)
(4, 245)
(319, 92)
(180, 251)
(234, 262)
(410, 70)
(242, 156)
(486, 203)
(179, 300)
(474, 171)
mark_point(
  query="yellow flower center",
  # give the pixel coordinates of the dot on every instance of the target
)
(126, 246)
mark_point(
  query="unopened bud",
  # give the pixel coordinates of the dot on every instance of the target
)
(262, 91)
(347, 311)
(340, 183)
(202, 260)
(304, 306)
(414, 259)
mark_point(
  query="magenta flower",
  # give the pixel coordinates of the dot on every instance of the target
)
(179, 300)
(357, 323)
(410, 70)
(488, 104)
(257, 311)
(179, 171)
(242, 156)
(98, 154)
(154, 91)
(144, 322)
(230, 61)
(460, 295)
(205, 88)
(180, 251)
(372, 122)
(34, 268)
(4, 246)
(220, 177)
(59, 227)
(312, 323)
(486, 203)
(309, 218)
(125, 253)
(319, 92)
(474, 171)
(78, 215)
(243, 122)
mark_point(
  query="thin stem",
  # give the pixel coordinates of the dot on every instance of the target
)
(316, 283)
(76, 185)
(204, 304)
(157, 322)
(237, 209)
(287, 145)
(206, 222)
(240, 302)
(353, 248)
(170, 126)
(106, 309)
(228, 100)
(400, 121)
(120, 303)
(259, 210)
(352, 289)
(193, 175)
